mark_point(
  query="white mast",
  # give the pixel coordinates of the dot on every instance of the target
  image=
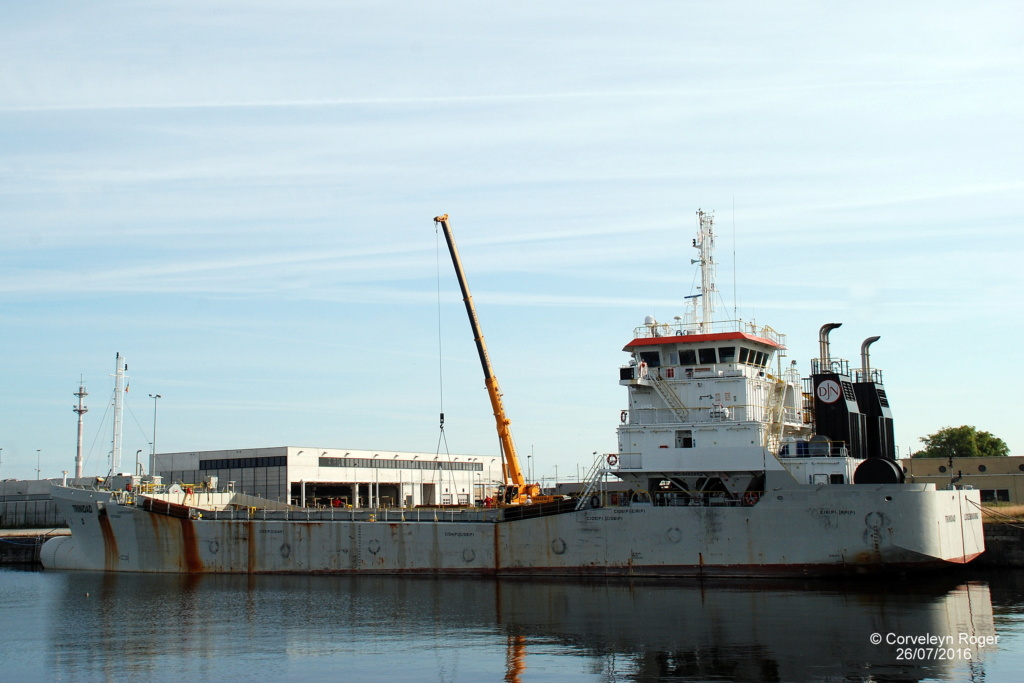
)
(80, 409)
(705, 242)
(119, 389)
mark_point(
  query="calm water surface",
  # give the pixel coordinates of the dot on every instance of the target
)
(80, 626)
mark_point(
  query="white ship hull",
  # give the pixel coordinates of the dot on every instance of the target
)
(798, 531)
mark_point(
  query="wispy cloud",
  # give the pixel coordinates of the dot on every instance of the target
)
(257, 181)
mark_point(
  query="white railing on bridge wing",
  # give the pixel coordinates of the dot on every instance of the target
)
(630, 461)
(678, 329)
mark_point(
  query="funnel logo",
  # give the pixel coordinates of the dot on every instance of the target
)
(828, 391)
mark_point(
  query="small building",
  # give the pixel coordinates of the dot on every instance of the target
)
(324, 477)
(1000, 479)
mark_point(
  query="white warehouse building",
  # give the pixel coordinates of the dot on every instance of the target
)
(324, 477)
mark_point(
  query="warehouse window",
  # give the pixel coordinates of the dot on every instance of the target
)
(995, 495)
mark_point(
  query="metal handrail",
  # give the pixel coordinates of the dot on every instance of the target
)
(682, 328)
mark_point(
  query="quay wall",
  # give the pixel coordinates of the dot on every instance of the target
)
(21, 547)
(26, 504)
(30, 512)
(1004, 546)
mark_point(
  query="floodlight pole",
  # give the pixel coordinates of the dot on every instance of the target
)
(152, 454)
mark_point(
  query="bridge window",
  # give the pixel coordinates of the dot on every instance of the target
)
(687, 357)
(707, 356)
(652, 358)
(726, 354)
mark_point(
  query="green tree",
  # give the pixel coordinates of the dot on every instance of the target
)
(962, 442)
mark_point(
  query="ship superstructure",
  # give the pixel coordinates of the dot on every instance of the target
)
(716, 415)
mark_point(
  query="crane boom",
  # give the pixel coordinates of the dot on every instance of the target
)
(516, 489)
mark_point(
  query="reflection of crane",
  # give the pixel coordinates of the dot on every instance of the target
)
(515, 656)
(516, 490)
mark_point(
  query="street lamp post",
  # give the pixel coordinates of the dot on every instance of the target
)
(152, 453)
(38, 459)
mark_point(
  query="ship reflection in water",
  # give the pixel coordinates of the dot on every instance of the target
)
(169, 627)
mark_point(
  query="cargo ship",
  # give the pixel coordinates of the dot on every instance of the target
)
(735, 466)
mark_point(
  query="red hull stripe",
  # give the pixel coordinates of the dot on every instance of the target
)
(698, 338)
(963, 559)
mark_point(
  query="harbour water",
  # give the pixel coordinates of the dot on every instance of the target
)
(80, 626)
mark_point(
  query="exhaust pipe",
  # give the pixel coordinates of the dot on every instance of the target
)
(865, 357)
(823, 343)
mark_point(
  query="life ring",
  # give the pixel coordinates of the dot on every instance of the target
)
(595, 502)
(612, 460)
(750, 498)
(623, 415)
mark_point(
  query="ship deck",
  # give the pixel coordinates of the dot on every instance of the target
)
(419, 514)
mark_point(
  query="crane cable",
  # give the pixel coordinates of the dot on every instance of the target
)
(440, 356)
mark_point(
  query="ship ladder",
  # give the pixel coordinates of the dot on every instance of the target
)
(593, 480)
(774, 417)
(668, 395)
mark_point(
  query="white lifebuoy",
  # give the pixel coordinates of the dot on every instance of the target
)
(612, 459)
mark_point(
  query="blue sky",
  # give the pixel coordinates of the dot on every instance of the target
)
(237, 196)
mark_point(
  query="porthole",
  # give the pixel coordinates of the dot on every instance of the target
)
(942, 468)
(888, 498)
(981, 468)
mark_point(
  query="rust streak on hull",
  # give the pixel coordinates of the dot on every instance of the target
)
(111, 556)
(190, 547)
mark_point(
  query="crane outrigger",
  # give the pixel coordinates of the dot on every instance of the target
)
(515, 490)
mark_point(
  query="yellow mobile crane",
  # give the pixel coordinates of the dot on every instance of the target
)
(515, 490)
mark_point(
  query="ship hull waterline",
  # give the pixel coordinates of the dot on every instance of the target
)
(804, 531)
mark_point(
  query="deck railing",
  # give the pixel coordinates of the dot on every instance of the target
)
(680, 329)
(421, 514)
